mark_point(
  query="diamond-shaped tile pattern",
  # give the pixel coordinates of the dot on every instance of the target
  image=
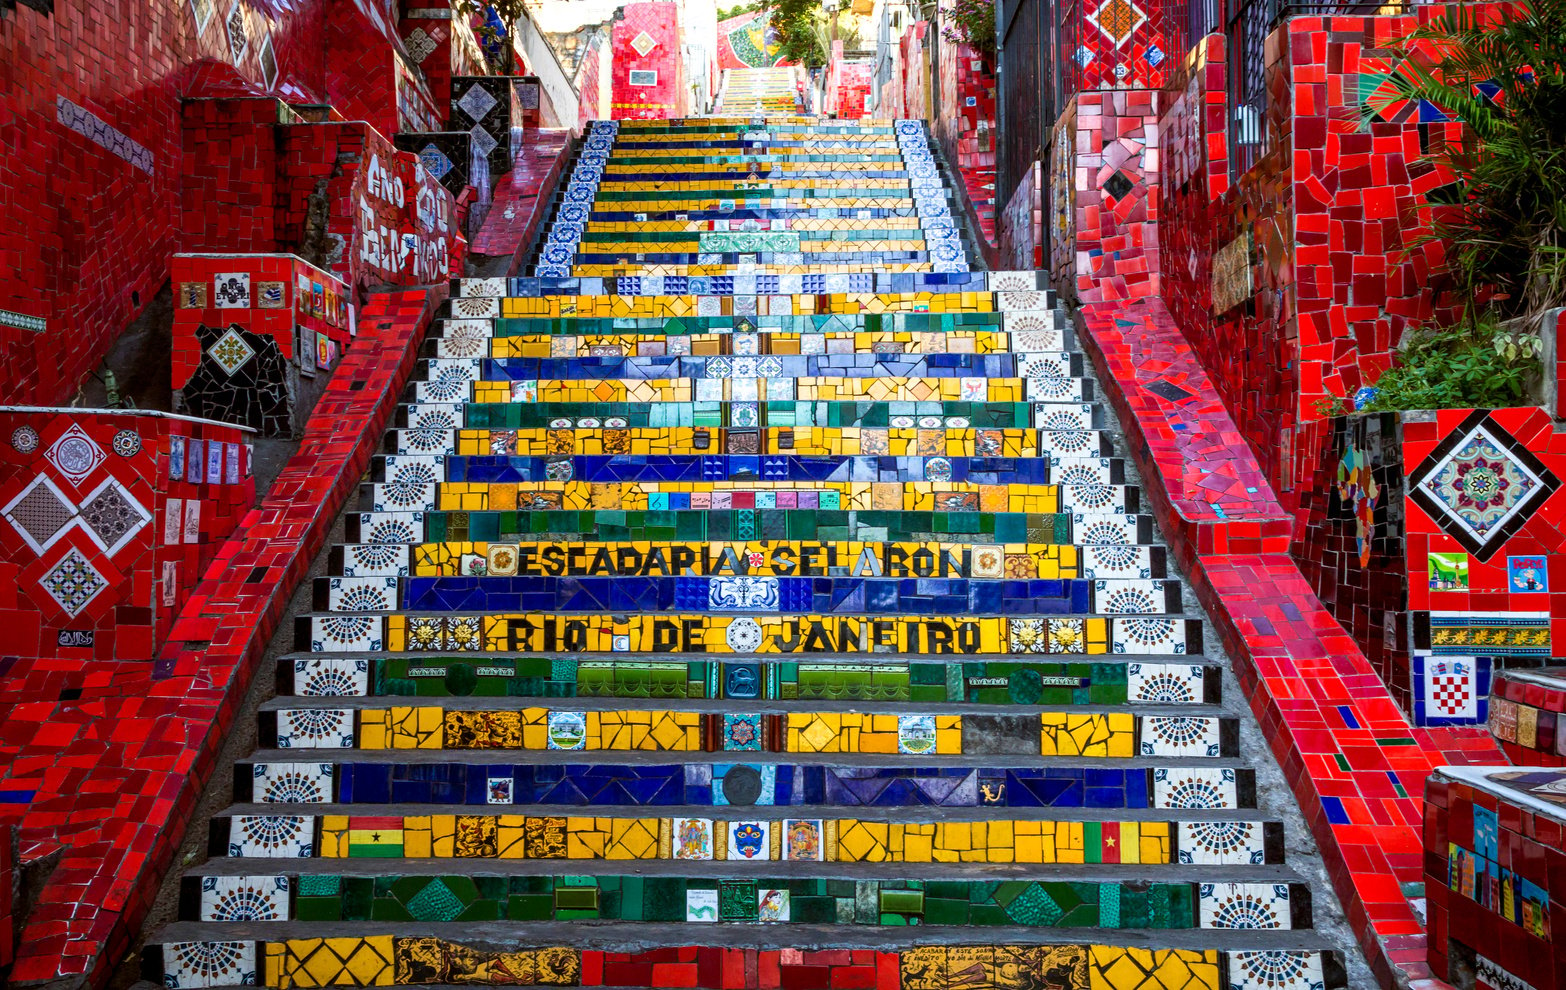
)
(73, 582)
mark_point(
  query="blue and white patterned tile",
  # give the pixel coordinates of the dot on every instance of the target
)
(1249, 906)
(247, 898)
(315, 728)
(271, 836)
(346, 634)
(331, 677)
(291, 783)
(1222, 843)
(190, 965)
(1165, 683)
(1195, 788)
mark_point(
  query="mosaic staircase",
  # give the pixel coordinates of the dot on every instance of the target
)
(715, 614)
(770, 92)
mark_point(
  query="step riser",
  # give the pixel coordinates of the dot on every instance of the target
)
(881, 680)
(697, 783)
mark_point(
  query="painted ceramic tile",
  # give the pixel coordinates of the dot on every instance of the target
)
(1195, 788)
(1180, 735)
(693, 838)
(1244, 905)
(271, 836)
(251, 898)
(315, 728)
(567, 730)
(330, 677)
(1451, 687)
(188, 965)
(292, 783)
(701, 905)
(1164, 683)
(750, 840)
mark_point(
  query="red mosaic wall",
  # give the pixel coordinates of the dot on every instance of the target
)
(1350, 542)
(648, 66)
(365, 77)
(1295, 285)
(1112, 146)
(906, 95)
(1495, 881)
(109, 520)
(98, 119)
(595, 64)
(965, 125)
(282, 293)
(64, 76)
(1122, 43)
(1527, 717)
(847, 87)
(1193, 149)
(117, 803)
(8, 880)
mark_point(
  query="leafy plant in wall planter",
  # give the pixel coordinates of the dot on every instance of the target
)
(971, 22)
(1501, 71)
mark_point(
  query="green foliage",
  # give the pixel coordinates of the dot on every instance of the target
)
(724, 13)
(973, 22)
(1479, 365)
(1505, 222)
(803, 31)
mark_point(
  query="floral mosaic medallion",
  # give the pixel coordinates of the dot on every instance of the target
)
(1480, 485)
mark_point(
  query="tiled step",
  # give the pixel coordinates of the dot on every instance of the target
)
(318, 954)
(386, 894)
(393, 552)
(900, 507)
(1013, 290)
(805, 325)
(847, 366)
(877, 680)
(1062, 388)
(1079, 792)
(406, 470)
(1079, 732)
(620, 438)
(798, 635)
(618, 593)
(934, 416)
(471, 342)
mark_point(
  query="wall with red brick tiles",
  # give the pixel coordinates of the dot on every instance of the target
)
(965, 125)
(1107, 143)
(1296, 285)
(90, 115)
(648, 64)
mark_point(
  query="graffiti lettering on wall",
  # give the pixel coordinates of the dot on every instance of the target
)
(431, 216)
